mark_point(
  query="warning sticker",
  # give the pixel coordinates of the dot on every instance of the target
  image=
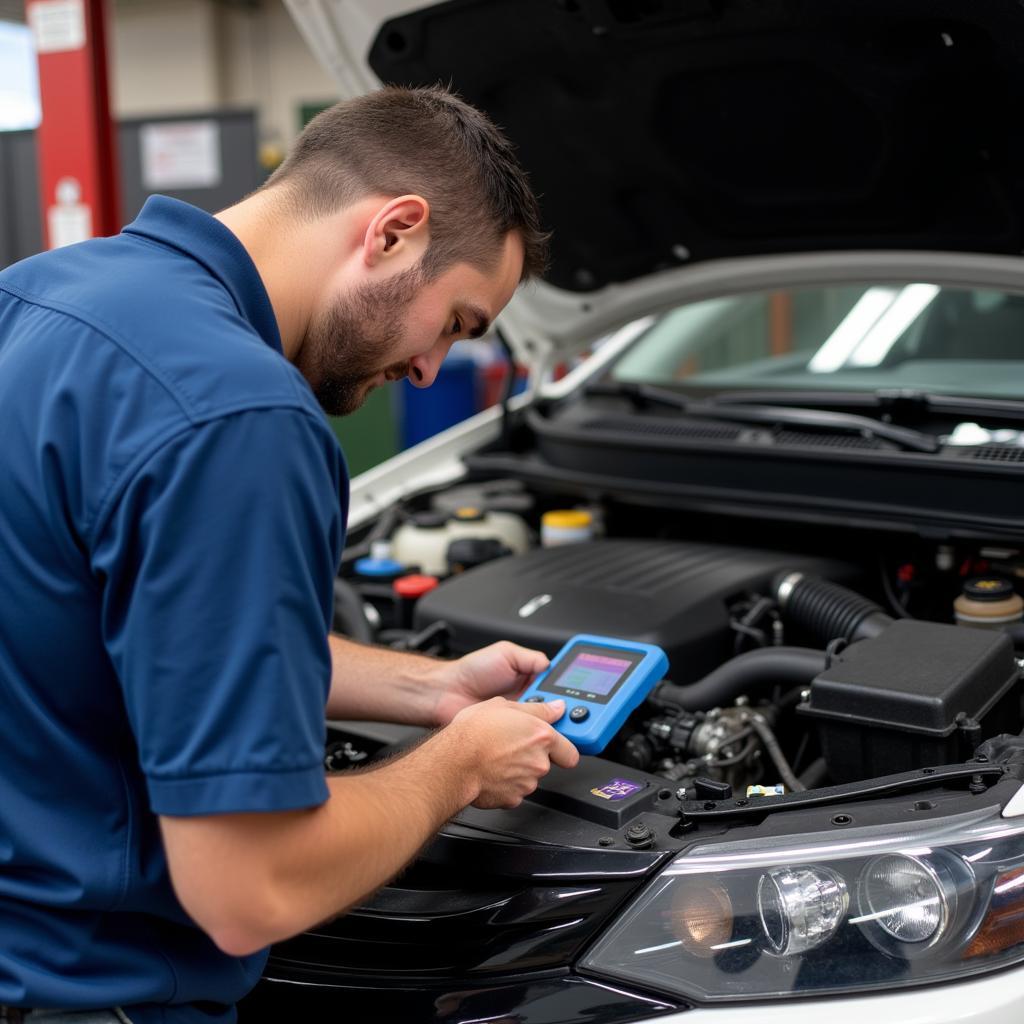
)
(180, 154)
(617, 789)
(57, 25)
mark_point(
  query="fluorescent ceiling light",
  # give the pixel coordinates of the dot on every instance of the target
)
(911, 303)
(852, 330)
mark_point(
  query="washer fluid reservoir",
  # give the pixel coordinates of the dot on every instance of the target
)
(424, 540)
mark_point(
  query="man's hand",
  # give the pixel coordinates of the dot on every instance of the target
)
(510, 747)
(502, 670)
(252, 879)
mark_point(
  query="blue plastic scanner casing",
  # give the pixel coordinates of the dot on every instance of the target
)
(601, 679)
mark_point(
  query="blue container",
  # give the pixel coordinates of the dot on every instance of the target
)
(449, 400)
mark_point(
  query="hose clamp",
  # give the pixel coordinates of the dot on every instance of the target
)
(786, 588)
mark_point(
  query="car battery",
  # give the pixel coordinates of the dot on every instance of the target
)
(919, 694)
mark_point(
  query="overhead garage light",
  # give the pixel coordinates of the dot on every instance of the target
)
(908, 306)
(852, 330)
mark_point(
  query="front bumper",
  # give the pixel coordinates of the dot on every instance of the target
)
(569, 999)
(995, 999)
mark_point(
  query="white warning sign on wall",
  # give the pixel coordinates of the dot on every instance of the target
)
(180, 155)
(68, 219)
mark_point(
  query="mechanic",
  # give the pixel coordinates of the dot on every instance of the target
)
(172, 521)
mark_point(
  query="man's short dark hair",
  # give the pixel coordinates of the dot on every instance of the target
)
(427, 142)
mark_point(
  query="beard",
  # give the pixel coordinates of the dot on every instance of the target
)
(344, 349)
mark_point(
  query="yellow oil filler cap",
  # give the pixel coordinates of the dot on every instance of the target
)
(566, 526)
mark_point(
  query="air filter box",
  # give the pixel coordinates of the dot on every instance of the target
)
(919, 694)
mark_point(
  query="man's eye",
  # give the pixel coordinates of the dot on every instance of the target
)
(457, 326)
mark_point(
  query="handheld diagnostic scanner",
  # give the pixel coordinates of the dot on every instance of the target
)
(601, 680)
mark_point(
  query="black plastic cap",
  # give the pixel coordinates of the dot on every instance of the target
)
(988, 588)
(430, 520)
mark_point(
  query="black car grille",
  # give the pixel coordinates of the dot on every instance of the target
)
(472, 906)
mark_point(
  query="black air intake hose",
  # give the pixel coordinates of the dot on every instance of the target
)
(781, 666)
(826, 610)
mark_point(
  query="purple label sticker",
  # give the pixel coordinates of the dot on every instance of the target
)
(618, 789)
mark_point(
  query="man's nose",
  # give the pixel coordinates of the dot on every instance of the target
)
(423, 369)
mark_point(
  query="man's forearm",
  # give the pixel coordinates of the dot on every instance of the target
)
(374, 824)
(249, 880)
(376, 684)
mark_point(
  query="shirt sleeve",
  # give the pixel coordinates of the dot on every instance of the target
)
(217, 564)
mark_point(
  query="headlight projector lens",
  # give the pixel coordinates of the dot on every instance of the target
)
(906, 899)
(801, 907)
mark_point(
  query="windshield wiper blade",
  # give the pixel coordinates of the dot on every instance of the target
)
(824, 419)
(641, 395)
(896, 401)
(774, 415)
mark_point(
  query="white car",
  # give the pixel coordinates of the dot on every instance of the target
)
(789, 236)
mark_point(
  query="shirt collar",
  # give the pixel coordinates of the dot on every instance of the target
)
(203, 237)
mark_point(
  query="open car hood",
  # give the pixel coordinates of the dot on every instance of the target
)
(663, 133)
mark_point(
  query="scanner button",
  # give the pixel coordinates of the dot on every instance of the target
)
(534, 700)
(579, 713)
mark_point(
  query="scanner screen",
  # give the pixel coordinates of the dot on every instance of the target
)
(591, 673)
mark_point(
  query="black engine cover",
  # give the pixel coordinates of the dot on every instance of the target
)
(670, 593)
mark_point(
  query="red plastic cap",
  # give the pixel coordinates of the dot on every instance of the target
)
(414, 585)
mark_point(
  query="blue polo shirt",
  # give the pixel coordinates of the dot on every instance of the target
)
(171, 521)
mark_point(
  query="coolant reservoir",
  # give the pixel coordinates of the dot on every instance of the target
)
(424, 540)
(989, 602)
(506, 527)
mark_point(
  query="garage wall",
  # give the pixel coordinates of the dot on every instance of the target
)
(269, 67)
(164, 57)
(189, 56)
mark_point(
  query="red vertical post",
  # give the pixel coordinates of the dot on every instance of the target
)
(780, 322)
(78, 174)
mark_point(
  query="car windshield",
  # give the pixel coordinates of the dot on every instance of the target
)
(848, 337)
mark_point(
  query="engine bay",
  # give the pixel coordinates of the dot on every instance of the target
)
(800, 657)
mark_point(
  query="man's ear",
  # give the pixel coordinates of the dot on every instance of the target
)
(399, 229)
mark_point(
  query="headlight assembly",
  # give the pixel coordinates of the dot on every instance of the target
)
(813, 914)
